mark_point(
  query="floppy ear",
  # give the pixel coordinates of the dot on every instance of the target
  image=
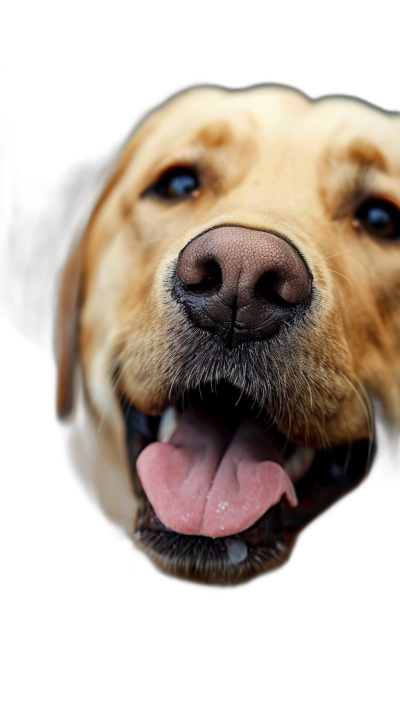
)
(66, 327)
(70, 298)
(67, 331)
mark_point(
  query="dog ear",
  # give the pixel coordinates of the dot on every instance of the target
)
(82, 197)
(67, 325)
(67, 331)
(70, 298)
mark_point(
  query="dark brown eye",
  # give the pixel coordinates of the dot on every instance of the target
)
(176, 183)
(379, 218)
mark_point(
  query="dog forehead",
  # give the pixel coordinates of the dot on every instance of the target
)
(358, 131)
(204, 104)
(216, 118)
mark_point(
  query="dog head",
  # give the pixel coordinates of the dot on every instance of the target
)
(235, 301)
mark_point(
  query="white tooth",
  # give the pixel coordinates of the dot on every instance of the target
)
(299, 462)
(168, 425)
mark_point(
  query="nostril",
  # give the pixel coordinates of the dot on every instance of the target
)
(266, 284)
(267, 289)
(207, 278)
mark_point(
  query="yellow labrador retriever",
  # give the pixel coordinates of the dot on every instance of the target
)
(235, 302)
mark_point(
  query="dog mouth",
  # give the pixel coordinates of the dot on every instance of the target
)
(222, 492)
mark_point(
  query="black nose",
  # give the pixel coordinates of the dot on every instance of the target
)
(242, 284)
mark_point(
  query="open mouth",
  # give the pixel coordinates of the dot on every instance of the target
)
(222, 492)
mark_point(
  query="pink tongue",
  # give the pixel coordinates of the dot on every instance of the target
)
(203, 482)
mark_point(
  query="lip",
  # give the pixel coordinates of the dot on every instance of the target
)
(268, 543)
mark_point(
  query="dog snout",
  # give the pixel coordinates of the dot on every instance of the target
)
(242, 284)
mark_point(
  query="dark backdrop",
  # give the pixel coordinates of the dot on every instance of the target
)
(72, 90)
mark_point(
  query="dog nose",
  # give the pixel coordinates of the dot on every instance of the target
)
(242, 284)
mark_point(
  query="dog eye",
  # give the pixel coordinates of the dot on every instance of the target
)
(179, 182)
(379, 218)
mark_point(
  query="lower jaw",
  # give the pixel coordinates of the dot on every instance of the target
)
(266, 544)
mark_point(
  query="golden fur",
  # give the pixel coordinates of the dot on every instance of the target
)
(273, 160)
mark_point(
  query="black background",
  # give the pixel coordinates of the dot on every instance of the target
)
(73, 87)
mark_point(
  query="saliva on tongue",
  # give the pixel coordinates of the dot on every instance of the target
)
(209, 481)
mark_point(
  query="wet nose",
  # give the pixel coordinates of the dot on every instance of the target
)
(242, 284)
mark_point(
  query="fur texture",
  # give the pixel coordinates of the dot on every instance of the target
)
(268, 158)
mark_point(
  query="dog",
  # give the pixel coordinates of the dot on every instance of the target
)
(234, 304)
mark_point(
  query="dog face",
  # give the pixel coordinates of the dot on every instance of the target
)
(238, 301)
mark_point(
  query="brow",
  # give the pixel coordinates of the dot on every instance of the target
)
(362, 155)
(350, 171)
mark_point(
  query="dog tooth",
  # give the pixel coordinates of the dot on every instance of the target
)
(299, 462)
(168, 425)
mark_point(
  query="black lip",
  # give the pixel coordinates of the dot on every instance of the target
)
(264, 546)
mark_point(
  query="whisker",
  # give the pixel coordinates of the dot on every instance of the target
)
(326, 443)
(343, 276)
(365, 403)
(348, 250)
